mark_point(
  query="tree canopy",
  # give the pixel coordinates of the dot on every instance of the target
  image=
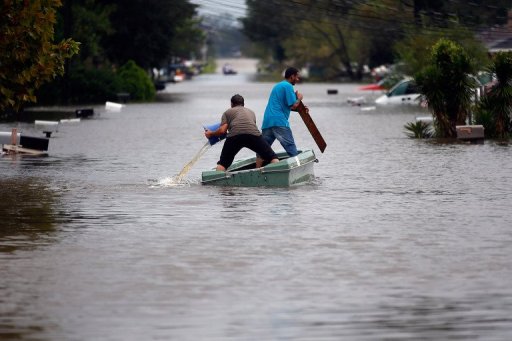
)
(447, 86)
(341, 36)
(112, 32)
(29, 55)
(151, 31)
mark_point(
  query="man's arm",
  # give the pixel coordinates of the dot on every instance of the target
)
(219, 132)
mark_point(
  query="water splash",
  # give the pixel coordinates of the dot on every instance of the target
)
(173, 181)
(179, 180)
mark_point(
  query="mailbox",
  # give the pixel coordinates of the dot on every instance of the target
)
(470, 133)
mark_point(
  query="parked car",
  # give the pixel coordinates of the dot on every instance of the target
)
(404, 92)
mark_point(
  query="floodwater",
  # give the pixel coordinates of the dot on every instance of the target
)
(395, 239)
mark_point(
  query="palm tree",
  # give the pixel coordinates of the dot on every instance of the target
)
(501, 94)
(447, 86)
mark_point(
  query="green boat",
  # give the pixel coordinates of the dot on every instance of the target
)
(289, 171)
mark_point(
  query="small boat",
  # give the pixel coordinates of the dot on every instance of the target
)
(227, 69)
(289, 171)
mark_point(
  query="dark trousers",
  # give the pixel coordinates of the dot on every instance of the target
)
(235, 143)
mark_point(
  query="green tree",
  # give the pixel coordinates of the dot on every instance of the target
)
(269, 30)
(136, 82)
(413, 49)
(495, 109)
(471, 14)
(187, 40)
(29, 55)
(309, 32)
(113, 32)
(86, 21)
(447, 86)
(145, 31)
(338, 35)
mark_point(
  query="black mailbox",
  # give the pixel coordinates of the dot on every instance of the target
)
(84, 112)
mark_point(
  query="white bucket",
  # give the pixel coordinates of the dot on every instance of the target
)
(113, 106)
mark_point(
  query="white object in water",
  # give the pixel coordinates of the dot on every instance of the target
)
(356, 100)
(113, 106)
(48, 127)
(368, 108)
(46, 123)
(71, 120)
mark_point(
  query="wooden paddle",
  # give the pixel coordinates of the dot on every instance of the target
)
(304, 113)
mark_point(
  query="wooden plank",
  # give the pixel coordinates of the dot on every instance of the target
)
(14, 136)
(17, 149)
(304, 114)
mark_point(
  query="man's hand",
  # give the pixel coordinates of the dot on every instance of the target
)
(208, 133)
(296, 104)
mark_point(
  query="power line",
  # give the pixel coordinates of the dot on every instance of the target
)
(220, 6)
(354, 20)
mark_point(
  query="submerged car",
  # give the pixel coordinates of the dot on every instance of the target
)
(404, 92)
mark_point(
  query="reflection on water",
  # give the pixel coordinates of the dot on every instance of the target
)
(27, 222)
(395, 239)
(26, 212)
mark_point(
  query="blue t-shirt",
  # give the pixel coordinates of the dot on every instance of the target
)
(277, 113)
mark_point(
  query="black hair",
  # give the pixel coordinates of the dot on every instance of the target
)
(290, 72)
(237, 100)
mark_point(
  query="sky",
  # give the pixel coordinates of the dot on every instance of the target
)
(236, 8)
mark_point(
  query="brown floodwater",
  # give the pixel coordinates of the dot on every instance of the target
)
(395, 239)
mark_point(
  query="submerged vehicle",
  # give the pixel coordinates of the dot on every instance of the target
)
(289, 171)
(404, 92)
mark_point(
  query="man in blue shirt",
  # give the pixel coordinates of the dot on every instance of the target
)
(283, 98)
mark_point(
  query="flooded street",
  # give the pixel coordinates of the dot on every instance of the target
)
(396, 239)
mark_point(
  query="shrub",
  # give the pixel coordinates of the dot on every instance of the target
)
(96, 86)
(29, 58)
(483, 116)
(136, 81)
(418, 130)
(501, 94)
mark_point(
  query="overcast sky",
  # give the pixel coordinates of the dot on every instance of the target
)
(236, 8)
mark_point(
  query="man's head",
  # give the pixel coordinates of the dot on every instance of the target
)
(237, 100)
(292, 75)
